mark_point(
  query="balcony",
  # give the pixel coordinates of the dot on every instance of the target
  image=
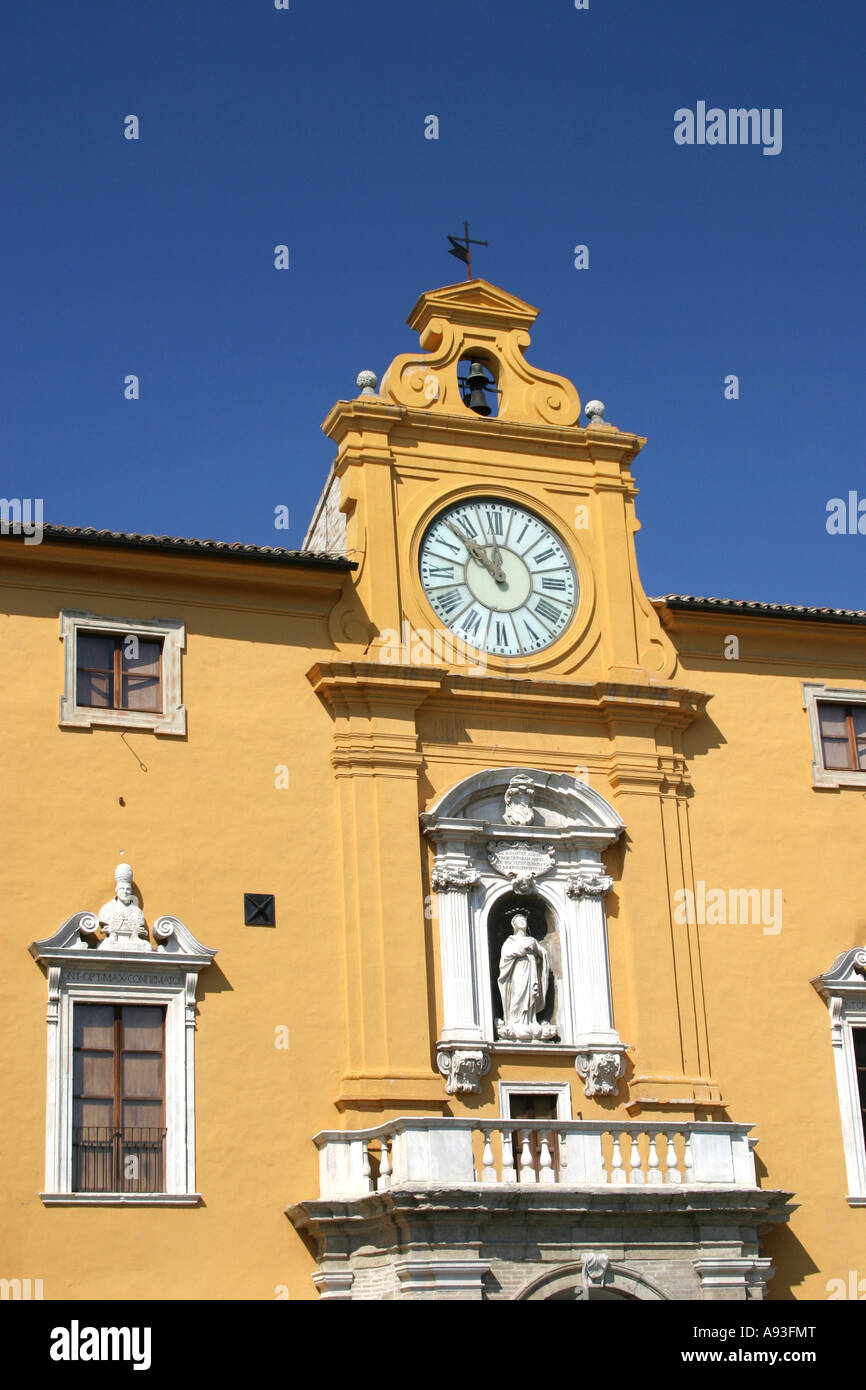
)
(462, 1153)
(446, 1208)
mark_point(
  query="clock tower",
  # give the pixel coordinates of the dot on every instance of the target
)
(478, 505)
(496, 623)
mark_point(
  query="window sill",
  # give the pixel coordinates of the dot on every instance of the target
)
(856, 1201)
(836, 778)
(121, 1199)
(88, 717)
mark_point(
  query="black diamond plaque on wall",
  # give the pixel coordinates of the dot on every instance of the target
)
(259, 910)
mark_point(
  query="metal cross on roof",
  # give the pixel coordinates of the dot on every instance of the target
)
(460, 248)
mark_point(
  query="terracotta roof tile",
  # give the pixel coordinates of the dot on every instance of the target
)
(89, 535)
(691, 603)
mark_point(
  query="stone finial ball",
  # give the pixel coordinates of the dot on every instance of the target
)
(367, 382)
(595, 412)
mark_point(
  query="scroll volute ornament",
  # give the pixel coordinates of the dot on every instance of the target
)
(477, 320)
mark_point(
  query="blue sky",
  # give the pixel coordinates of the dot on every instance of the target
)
(306, 127)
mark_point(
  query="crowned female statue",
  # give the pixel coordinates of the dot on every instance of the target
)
(524, 976)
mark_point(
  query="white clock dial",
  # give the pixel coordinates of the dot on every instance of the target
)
(498, 577)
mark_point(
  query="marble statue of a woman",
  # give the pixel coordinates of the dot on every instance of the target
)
(524, 977)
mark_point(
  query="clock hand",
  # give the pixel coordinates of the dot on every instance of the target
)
(474, 550)
(498, 572)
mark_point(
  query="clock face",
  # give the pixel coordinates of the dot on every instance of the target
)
(498, 577)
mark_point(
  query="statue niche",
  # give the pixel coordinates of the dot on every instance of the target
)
(524, 958)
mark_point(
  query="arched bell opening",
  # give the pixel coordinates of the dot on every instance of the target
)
(478, 378)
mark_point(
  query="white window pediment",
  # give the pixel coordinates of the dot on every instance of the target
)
(843, 989)
(505, 838)
(107, 958)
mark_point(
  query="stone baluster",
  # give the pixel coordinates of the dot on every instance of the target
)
(365, 1165)
(655, 1175)
(563, 1156)
(547, 1173)
(672, 1166)
(384, 1181)
(618, 1174)
(488, 1165)
(689, 1159)
(509, 1172)
(527, 1171)
(636, 1176)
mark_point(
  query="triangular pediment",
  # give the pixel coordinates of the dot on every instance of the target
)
(472, 302)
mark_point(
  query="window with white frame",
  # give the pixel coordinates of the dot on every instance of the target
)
(843, 989)
(121, 672)
(837, 724)
(120, 1104)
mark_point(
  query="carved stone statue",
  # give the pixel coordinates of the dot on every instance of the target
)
(524, 976)
(519, 796)
(122, 918)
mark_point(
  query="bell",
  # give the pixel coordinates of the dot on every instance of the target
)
(478, 382)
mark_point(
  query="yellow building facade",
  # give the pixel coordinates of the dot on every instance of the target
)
(473, 926)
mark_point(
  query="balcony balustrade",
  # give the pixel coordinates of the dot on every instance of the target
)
(457, 1153)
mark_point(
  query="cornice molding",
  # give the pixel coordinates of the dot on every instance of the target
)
(49, 564)
(350, 423)
(345, 685)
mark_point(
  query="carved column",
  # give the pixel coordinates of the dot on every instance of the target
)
(601, 1060)
(459, 1055)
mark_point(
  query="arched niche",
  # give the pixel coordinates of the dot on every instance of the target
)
(544, 928)
(524, 833)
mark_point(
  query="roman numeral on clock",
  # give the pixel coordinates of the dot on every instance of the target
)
(501, 636)
(448, 602)
(550, 582)
(544, 555)
(545, 609)
(442, 571)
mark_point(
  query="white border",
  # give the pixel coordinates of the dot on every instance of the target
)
(849, 1104)
(843, 989)
(813, 692)
(172, 718)
(179, 1086)
(80, 970)
(560, 1089)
